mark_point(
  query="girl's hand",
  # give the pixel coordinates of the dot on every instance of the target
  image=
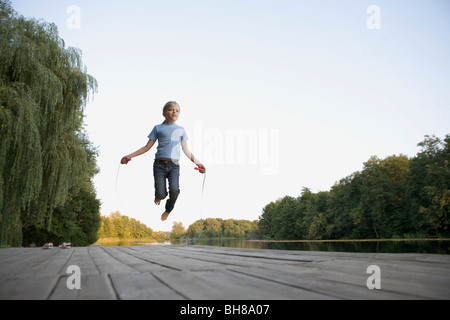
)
(125, 160)
(201, 168)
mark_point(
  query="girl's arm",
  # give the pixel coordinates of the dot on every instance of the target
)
(190, 155)
(142, 150)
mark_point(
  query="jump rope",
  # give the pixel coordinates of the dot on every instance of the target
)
(188, 242)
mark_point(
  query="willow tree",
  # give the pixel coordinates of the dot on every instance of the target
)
(44, 88)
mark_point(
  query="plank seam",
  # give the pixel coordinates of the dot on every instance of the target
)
(170, 287)
(253, 257)
(55, 286)
(111, 282)
(287, 284)
(152, 262)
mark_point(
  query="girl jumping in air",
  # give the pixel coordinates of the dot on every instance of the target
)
(171, 139)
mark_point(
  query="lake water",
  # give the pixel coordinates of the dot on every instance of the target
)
(372, 246)
(385, 246)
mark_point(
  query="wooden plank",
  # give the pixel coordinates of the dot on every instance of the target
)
(93, 287)
(81, 258)
(164, 258)
(201, 272)
(396, 277)
(333, 288)
(310, 276)
(53, 266)
(224, 285)
(132, 259)
(142, 286)
(243, 260)
(108, 264)
(20, 262)
(406, 278)
(32, 273)
(27, 288)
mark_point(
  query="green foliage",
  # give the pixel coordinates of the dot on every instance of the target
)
(178, 230)
(390, 198)
(219, 228)
(77, 222)
(123, 227)
(45, 159)
(429, 185)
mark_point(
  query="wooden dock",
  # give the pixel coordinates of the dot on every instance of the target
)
(215, 273)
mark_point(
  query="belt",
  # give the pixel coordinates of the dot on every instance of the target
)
(165, 162)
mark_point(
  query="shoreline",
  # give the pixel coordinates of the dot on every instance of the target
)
(356, 240)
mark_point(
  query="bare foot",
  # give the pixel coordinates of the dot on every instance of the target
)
(164, 216)
(157, 201)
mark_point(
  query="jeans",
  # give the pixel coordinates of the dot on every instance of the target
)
(167, 171)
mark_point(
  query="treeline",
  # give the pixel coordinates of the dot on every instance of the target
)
(46, 161)
(123, 227)
(220, 228)
(393, 197)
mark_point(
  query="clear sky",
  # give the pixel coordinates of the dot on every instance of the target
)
(275, 95)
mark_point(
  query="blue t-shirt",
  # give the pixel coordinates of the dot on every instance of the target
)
(169, 137)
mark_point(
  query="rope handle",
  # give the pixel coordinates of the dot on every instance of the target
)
(202, 170)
